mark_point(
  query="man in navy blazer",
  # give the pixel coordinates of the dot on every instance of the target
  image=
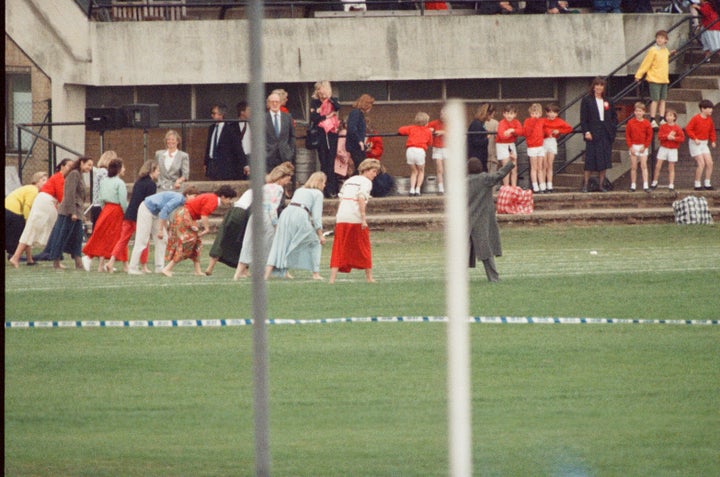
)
(224, 156)
(279, 135)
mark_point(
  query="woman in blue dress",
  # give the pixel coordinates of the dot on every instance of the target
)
(299, 235)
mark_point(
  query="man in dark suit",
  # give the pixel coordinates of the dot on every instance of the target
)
(224, 156)
(279, 135)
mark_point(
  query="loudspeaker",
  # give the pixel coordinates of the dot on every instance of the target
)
(104, 119)
(142, 116)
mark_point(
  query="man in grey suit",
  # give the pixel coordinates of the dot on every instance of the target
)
(279, 135)
(224, 156)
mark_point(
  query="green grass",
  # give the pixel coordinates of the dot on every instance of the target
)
(369, 399)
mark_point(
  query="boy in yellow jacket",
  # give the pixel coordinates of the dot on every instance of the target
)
(655, 68)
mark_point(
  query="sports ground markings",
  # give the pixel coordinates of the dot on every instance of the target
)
(410, 266)
(220, 323)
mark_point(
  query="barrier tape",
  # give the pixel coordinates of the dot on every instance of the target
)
(371, 319)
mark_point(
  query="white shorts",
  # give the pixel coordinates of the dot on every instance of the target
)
(438, 153)
(638, 150)
(667, 154)
(697, 149)
(415, 156)
(550, 145)
(504, 151)
(536, 151)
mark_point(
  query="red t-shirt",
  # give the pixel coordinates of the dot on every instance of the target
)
(701, 128)
(203, 204)
(665, 130)
(638, 132)
(558, 124)
(534, 134)
(55, 186)
(503, 126)
(437, 125)
(418, 136)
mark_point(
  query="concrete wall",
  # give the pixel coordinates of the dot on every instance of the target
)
(363, 49)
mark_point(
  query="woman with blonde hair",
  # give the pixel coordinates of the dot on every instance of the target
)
(43, 214)
(174, 164)
(299, 235)
(351, 245)
(113, 197)
(324, 110)
(357, 128)
(99, 174)
(273, 197)
(18, 205)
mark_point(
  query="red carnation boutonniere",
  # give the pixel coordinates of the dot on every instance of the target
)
(606, 105)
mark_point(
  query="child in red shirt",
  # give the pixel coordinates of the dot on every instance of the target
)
(509, 129)
(553, 126)
(438, 152)
(671, 136)
(533, 128)
(701, 132)
(419, 139)
(638, 136)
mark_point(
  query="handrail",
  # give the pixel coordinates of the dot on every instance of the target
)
(625, 91)
(26, 127)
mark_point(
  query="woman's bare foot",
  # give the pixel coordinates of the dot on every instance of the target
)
(316, 276)
(15, 262)
(146, 270)
(58, 266)
(166, 272)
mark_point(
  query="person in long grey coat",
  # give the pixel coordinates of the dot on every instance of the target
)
(484, 232)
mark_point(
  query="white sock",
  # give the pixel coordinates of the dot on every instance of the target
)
(645, 185)
(671, 186)
(542, 186)
(441, 188)
(698, 184)
(535, 187)
(707, 182)
(549, 186)
(654, 183)
(632, 186)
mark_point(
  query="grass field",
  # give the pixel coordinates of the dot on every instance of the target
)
(369, 399)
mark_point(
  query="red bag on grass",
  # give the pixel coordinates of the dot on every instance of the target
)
(514, 200)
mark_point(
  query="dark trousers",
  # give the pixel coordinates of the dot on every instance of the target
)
(326, 154)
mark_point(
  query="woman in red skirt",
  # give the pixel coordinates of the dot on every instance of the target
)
(351, 245)
(113, 198)
(144, 186)
(184, 235)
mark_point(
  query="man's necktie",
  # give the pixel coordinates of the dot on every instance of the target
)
(276, 123)
(214, 141)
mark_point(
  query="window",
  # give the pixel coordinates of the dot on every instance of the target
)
(528, 88)
(18, 108)
(473, 88)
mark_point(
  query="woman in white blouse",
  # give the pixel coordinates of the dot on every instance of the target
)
(174, 164)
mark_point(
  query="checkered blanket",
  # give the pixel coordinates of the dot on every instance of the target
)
(514, 200)
(692, 210)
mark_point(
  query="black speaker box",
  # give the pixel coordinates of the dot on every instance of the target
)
(142, 116)
(104, 119)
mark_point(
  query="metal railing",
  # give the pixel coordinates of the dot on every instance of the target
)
(626, 91)
(108, 10)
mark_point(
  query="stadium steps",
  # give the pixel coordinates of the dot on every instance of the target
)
(617, 207)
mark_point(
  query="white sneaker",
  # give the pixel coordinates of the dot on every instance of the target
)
(87, 262)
